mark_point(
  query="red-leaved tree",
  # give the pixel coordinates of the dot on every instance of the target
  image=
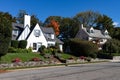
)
(55, 26)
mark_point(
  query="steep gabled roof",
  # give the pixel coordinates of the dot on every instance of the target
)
(97, 34)
(17, 25)
(59, 41)
(47, 30)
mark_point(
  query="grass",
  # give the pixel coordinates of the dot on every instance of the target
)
(23, 56)
(28, 56)
(66, 56)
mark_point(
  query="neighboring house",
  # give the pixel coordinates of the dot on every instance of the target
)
(96, 36)
(35, 37)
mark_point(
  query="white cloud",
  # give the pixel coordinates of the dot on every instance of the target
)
(116, 24)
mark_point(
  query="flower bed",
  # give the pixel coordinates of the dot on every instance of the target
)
(16, 60)
(35, 59)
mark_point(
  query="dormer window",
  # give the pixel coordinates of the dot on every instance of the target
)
(15, 32)
(106, 33)
(91, 31)
(37, 33)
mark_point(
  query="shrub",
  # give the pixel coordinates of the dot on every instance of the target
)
(35, 59)
(104, 55)
(12, 50)
(112, 46)
(93, 55)
(82, 57)
(22, 44)
(18, 50)
(88, 59)
(16, 60)
(42, 49)
(82, 48)
(14, 43)
(5, 32)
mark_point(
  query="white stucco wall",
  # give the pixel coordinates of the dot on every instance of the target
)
(33, 39)
(24, 34)
(61, 47)
(51, 42)
(103, 41)
(27, 20)
(90, 38)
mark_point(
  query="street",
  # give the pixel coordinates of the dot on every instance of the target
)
(93, 71)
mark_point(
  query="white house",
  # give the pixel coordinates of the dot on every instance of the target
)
(96, 36)
(35, 37)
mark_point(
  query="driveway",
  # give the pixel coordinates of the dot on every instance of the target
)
(93, 71)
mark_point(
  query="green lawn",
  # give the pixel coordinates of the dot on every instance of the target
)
(66, 56)
(28, 56)
(23, 56)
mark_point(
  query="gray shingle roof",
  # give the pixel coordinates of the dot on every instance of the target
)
(97, 34)
(47, 30)
(59, 41)
(15, 25)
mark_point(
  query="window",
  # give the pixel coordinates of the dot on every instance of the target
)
(105, 33)
(101, 40)
(37, 33)
(91, 31)
(34, 46)
(50, 44)
(15, 32)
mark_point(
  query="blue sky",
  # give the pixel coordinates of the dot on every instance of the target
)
(64, 8)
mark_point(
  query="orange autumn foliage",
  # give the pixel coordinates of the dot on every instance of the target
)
(55, 26)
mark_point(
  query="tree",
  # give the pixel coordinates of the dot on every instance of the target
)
(116, 33)
(51, 20)
(87, 18)
(34, 19)
(68, 28)
(56, 18)
(112, 46)
(55, 26)
(20, 16)
(105, 22)
(5, 32)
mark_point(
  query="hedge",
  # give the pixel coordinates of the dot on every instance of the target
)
(83, 48)
(14, 43)
(22, 44)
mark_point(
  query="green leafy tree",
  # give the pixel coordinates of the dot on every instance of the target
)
(68, 28)
(87, 18)
(20, 16)
(116, 33)
(112, 46)
(5, 32)
(105, 22)
(50, 18)
(34, 19)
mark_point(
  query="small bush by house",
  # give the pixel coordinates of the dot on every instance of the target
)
(22, 44)
(14, 43)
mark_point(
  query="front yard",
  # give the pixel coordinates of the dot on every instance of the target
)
(8, 58)
(25, 57)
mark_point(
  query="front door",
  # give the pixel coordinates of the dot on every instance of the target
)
(38, 45)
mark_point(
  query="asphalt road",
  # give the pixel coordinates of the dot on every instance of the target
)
(96, 71)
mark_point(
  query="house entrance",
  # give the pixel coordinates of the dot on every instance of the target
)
(39, 45)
